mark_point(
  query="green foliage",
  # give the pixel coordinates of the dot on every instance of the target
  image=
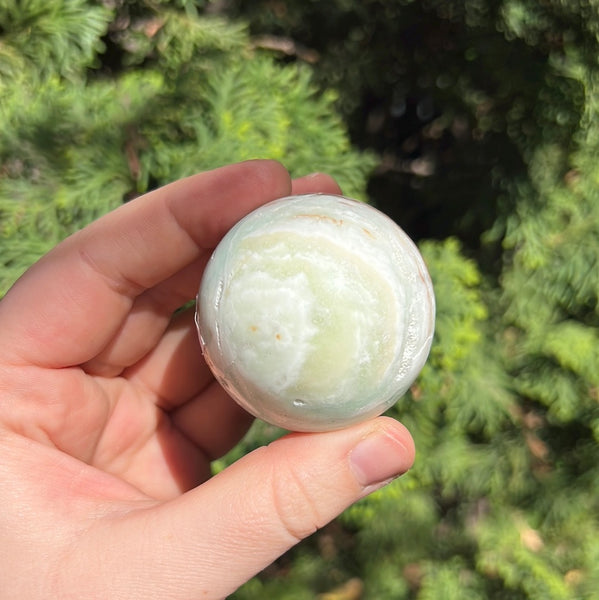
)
(48, 37)
(192, 95)
(513, 551)
(551, 283)
(456, 95)
(450, 580)
(485, 119)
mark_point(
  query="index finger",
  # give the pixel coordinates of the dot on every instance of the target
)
(70, 304)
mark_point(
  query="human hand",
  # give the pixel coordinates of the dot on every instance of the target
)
(109, 418)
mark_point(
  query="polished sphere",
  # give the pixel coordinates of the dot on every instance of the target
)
(316, 312)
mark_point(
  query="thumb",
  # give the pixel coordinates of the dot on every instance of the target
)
(208, 542)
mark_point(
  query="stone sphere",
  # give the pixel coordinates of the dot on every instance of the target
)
(316, 312)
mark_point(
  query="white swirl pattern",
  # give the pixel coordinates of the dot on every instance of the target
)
(316, 312)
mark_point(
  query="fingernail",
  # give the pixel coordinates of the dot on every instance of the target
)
(378, 459)
(310, 176)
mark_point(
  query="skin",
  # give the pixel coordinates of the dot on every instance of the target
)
(109, 418)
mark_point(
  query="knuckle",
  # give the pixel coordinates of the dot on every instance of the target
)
(294, 502)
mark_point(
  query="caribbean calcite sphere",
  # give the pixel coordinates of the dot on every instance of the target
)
(316, 312)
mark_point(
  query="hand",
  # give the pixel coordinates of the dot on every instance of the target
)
(109, 418)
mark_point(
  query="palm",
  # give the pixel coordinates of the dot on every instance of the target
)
(109, 377)
(153, 429)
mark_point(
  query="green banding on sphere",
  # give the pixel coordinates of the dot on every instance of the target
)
(316, 312)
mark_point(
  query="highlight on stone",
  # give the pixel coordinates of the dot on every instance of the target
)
(316, 312)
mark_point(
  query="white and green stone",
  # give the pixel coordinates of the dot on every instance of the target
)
(316, 312)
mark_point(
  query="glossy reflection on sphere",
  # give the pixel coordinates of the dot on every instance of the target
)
(316, 312)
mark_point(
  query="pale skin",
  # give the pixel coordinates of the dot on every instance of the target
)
(109, 418)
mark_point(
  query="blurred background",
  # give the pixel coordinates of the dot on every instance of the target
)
(475, 125)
